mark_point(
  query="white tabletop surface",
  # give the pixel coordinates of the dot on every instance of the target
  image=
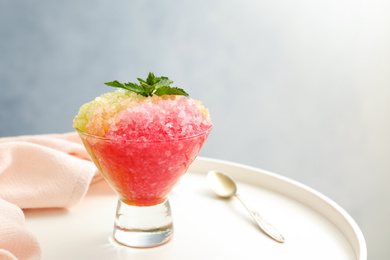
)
(207, 227)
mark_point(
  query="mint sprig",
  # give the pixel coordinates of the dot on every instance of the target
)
(151, 86)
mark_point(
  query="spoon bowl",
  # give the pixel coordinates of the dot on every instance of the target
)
(221, 184)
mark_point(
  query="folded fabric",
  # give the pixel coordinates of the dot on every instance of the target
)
(16, 242)
(38, 172)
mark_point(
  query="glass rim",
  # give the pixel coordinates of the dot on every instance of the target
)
(144, 141)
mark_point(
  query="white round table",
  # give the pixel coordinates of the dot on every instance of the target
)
(207, 227)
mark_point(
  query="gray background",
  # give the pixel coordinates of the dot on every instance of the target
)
(300, 88)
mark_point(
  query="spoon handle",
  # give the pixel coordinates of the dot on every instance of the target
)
(264, 225)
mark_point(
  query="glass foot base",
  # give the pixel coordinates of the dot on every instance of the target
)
(143, 226)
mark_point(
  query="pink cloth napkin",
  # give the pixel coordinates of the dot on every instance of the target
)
(38, 171)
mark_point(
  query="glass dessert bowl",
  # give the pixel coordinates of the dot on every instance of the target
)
(143, 139)
(143, 173)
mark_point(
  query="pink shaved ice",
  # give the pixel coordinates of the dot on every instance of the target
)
(162, 121)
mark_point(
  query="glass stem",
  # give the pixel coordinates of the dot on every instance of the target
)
(143, 226)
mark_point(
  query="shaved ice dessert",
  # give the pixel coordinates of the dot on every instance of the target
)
(143, 137)
(122, 114)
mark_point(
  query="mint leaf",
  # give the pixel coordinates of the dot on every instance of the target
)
(141, 81)
(136, 88)
(128, 86)
(151, 80)
(147, 88)
(151, 86)
(164, 81)
(115, 84)
(167, 90)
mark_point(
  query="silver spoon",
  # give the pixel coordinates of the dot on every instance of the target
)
(225, 187)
